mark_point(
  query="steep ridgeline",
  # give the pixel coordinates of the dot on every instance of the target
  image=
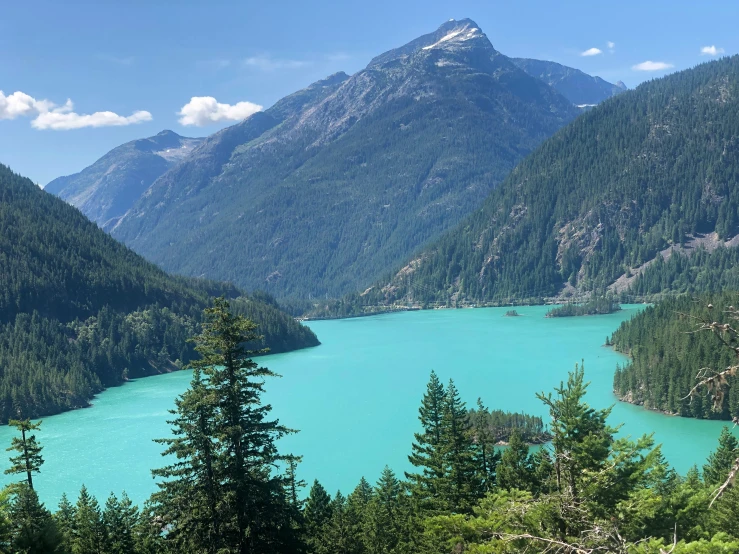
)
(648, 169)
(80, 311)
(337, 184)
(666, 357)
(108, 188)
(581, 89)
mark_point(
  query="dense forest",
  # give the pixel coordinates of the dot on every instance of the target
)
(667, 351)
(80, 312)
(642, 171)
(228, 488)
(593, 306)
(695, 271)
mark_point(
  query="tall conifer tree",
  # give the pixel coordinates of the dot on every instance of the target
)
(224, 486)
(722, 459)
(29, 458)
(461, 486)
(426, 453)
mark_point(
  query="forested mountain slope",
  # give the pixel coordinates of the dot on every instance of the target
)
(108, 188)
(648, 169)
(334, 186)
(667, 355)
(80, 311)
(578, 87)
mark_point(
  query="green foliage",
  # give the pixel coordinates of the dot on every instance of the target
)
(29, 458)
(500, 425)
(88, 530)
(222, 494)
(80, 312)
(515, 470)
(720, 462)
(691, 272)
(34, 530)
(666, 356)
(594, 306)
(637, 174)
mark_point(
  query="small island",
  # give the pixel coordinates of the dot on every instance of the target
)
(512, 313)
(500, 425)
(594, 306)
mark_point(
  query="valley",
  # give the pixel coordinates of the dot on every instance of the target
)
(354, 398)
(255, 333)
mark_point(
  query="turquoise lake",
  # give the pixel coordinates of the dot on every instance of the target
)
(355, 398)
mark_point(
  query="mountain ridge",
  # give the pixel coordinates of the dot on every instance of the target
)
(576, 214)
(426, 130)
(578, 87)
(105, 190)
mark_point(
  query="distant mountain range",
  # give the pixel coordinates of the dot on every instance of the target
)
(651, 172)
(337, 184)
(107, 189)
(581, 89)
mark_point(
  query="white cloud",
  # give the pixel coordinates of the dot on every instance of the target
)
(20, 104)
(266, 63)
(48, 115)
(651, 66)
(202, 110)
(611, 45)
(591, 52)
(711, 51)
(63, 119)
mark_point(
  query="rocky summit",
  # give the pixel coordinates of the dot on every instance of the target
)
(339, 183)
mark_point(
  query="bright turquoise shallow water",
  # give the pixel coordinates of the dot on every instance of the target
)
(355, 398)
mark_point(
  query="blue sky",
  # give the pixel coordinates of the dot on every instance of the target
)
(144, 61)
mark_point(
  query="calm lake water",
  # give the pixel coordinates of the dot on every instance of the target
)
(355, 398)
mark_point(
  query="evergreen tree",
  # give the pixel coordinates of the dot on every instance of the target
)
(120, 519)
(357, 512)
(65, 521)
(317, 516)
(34, 530)
(384, 515)
(223, 492)
(340, 535)
(29, 458)
(188, 497)
(427, 451)
(89, 531)
(721, 461)
(487, 458)
(461, 473)
(515, 469)
(6, 524)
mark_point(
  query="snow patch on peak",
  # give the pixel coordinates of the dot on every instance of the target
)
(467, 31)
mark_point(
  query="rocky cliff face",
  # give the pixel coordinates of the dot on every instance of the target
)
(337, 184)
(581, 89)
(108, 188)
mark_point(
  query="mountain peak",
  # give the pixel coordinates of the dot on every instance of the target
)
(167, 133)
(451, 34)
(622, 85)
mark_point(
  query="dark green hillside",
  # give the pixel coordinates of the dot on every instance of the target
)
(666, 357)
(690, 272)
(79, 311)
(644, 170)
